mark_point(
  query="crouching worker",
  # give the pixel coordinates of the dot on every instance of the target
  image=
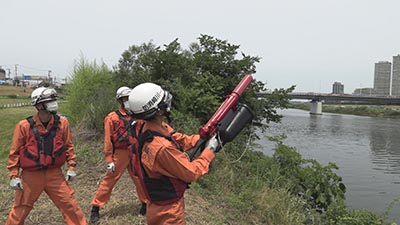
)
(164, 167)
(40, 146)
(118, 137)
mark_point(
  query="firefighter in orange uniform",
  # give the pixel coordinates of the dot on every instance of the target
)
(117, 140)
(41, 145)
(165, 167)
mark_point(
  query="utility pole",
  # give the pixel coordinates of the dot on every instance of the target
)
(49, 75)
(16, 75)
(16, 72)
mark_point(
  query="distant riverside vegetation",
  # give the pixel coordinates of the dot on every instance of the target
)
(359, 110)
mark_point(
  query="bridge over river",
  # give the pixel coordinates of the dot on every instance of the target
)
(318, 98)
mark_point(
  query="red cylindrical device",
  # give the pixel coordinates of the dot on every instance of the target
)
(230, 102)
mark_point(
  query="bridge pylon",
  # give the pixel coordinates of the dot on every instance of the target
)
(316, 107)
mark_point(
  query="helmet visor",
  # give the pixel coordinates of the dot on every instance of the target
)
(167, 100)
(48, 94)
(123, 92)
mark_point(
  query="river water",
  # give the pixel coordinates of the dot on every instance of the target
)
(366, 150)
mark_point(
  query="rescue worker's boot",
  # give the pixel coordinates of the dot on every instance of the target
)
(142, 210)
(94, 215)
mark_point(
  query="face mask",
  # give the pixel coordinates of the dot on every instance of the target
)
(52, 106)
(126, 105)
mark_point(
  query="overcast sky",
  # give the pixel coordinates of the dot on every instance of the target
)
(309, 43)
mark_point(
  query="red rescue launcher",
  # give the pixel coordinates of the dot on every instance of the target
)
(229, 119)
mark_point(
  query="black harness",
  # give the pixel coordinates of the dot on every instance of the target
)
(161, 190)
(45, 142)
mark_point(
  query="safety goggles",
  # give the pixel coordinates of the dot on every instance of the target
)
(48, 94)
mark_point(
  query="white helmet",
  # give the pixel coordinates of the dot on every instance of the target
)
(43, 94)
(146, 99)
(122, 92)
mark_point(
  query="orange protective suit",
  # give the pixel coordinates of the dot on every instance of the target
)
(119, 155)
(50, 180)
(161, 157)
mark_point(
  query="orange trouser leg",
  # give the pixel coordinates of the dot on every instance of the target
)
(33, 183)
(62, 196)
(172, 214)
(139, 189)
(121, 161)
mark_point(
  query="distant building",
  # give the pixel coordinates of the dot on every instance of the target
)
(382, 78)
(363, 91)
(337, 88)
(2, 74)
(396, 76)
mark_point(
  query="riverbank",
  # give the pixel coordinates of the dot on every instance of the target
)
(235, 192)
(358, 110)
(243, 187)
(364, 148)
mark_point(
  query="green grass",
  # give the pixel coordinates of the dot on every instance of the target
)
(10, 95)
(14, 100)
(9, 117)
(6, 90)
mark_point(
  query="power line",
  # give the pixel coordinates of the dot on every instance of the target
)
(32, 68)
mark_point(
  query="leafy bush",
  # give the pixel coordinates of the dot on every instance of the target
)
(90, 94)
(316, 183)
(338, 214)
(238, 179)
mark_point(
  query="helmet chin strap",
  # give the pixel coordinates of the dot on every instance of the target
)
(167, 115)
(165, 112)
(129, 112)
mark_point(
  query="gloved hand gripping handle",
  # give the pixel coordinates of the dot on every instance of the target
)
(195, 152)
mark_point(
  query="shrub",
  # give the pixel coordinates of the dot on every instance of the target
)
(316, 183)
(338, 214)
(90, 94)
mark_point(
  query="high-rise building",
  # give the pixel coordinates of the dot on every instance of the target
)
(396, 76)
(382, 78)
(337, 88)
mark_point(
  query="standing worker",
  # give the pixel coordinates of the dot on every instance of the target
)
(117, 141)
(40, 146)
(166, 168)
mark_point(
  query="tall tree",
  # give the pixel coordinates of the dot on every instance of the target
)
(200, 77)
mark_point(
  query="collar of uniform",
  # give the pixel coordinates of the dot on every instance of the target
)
(122, 111)
(164, 129)
(168, 128)
(39, 123)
